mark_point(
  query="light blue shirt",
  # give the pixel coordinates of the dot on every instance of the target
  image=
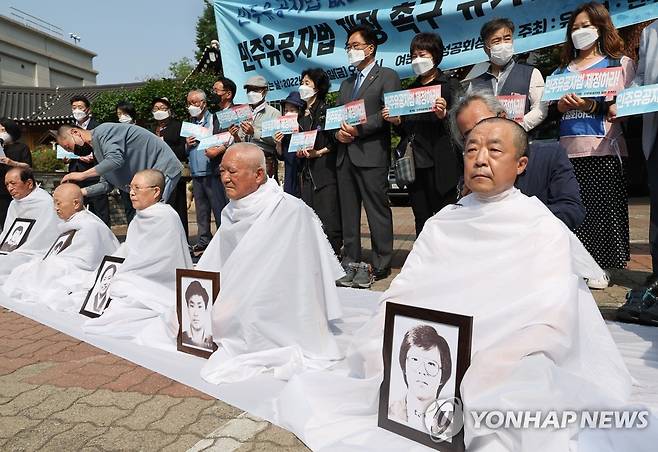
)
(200, 165)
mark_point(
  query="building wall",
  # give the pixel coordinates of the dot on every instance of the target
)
(29, 57)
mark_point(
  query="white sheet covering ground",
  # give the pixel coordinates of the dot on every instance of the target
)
(638, 346)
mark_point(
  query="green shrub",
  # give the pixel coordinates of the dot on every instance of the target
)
(44, 159)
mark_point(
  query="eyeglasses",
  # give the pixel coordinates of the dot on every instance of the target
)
(162, 108)
(431, 367)
(355, 46)
(219, 91)
(137, 188)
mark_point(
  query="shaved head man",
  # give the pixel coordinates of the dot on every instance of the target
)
(146, 188)
(68, 200)
(242, 170)
(494, 155)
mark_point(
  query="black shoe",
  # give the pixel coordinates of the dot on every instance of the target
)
(637, 301)
(363, 278)
(350, 271)
(649, 316)
(382, 273)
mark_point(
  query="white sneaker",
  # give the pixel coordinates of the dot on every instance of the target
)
(599, 283)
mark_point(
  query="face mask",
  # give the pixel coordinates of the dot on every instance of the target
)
(254, 97)
(422, 65)
(214, 99)
(82, 149)
(160, 115)
(501, 53)
(125, 119)
(79, 114)
(583, 38)
(306, 92)
(355, 56)
(194, 110)
(5, 138)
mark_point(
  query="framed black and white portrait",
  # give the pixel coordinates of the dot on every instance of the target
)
(196, 291)
(98, 297)
(426, 354)
(17, 235)
(61, 243)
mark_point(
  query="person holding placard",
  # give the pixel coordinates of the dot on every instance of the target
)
(436, 161)
(363, 160)
(594, 143)
(252, 131)
(16, 155)
(318, 173)
(168, 128)
(292, 105)
(506, 77)
(206, 188)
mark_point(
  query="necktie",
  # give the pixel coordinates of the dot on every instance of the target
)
(357, 84)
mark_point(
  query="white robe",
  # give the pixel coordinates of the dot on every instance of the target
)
(277, 291)
(539, 341)
(38, 206)
(50, 281)
(143, 291)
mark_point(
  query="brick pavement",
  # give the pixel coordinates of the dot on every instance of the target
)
(57, 393)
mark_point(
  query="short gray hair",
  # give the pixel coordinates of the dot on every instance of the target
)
(519, 135)
(488, 99)
(200, 92)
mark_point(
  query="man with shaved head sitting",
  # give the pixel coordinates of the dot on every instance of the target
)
(278, 275)
(143, 306)
(29, 202)
(82, 242)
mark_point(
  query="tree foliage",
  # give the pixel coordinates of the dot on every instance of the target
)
(206, 29)
(104, 106)
(181, 68)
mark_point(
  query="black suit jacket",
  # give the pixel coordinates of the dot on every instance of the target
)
(372, 148)
(550, 177)
(171, 136)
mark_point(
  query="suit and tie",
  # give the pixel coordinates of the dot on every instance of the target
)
(362, 168)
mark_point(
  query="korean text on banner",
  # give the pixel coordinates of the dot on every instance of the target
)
(302, 141)
(212, 141)
(285, 124)
(194, 130)
(280, 39)
(353, 113)
(412, 101)
(634, 101)
(234, 115)
(514, 106)
(589, 83)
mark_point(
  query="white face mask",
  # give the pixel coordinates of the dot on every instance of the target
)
(422, 65)
(306, 92)
(501, 53)
(356, 56)
(194, 110)
(125, 119)
(584, 38)
(160, 115)
(5, 138)
(79, 114)
(254, 97)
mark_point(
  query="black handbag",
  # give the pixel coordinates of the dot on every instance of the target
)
(405, 166)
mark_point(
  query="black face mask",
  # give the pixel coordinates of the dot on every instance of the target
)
(214, 99)
(82, 149)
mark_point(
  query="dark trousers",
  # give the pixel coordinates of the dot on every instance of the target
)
(209, 196)
(324, 201)
(367, 185)
(178, 200)
(100, 206)
(425, 198)
(652, 173)
(4, 207)
(127, 206)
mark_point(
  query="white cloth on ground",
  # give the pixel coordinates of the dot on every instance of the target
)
(50, 281)
(143, 290)
(278, 290)
(539, 341)
(38, 205)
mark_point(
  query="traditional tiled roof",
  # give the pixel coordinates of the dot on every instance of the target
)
(28, 105)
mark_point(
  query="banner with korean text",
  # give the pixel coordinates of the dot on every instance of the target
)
(278, 39)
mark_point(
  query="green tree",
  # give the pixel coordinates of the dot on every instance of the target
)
(181, 68)
(206, 29)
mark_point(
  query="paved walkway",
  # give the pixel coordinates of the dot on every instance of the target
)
(60, 394)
